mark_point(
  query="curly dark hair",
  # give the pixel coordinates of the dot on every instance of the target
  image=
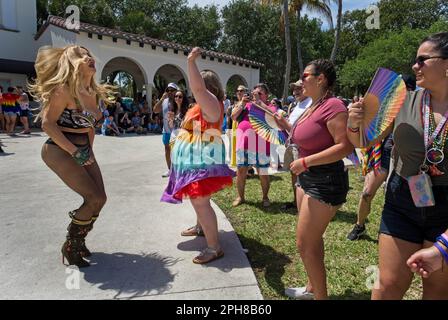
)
(440, 41)
(325, 67)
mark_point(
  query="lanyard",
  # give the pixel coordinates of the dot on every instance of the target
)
(426, 113)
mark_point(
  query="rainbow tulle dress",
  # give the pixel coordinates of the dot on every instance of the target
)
(198, 167)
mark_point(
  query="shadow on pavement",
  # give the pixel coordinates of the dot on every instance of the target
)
(131, 275)
(259, 257)
(234, 256)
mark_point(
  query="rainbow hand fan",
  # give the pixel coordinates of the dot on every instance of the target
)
(263, 122)
(382, 102)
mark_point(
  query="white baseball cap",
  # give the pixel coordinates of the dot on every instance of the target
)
(172, 85)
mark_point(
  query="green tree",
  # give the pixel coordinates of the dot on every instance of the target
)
(252, 31)
(318, 6)
(286, 26)
(395, 51)
(99, 12)
(337, 33)
(395, 15)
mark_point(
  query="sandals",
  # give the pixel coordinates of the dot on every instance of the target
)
(208, 255)
(194, 231)
(237, 202)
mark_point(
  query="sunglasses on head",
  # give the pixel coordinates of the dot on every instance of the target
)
(307, 74)
(420, 60)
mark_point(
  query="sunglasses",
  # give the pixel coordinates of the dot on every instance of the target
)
(420, 60)
(177, 96)
(307, 74)
(171, 90)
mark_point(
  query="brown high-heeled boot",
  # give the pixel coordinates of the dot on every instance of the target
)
(85, 252)
(71, 249)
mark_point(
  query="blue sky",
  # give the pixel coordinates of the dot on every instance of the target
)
(347, 4)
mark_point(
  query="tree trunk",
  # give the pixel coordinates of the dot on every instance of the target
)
(288, 49)
(299, 45)
(337, 33)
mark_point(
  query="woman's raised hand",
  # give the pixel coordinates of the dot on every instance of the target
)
(355, 114)
(195, 52)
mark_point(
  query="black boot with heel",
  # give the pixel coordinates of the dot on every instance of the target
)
(85, 252)
(72, 247)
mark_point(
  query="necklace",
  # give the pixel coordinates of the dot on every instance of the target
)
(312, 108)
(434, 136)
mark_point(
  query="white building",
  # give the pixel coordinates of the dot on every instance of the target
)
(17, 44)
(114, 50)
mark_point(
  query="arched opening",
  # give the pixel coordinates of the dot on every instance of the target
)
(127, 75)
(233, 83)
(166, 74)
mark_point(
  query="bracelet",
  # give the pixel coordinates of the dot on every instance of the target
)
(443, 241)
(304, 164)
(444, 236)
(353, 130)
(443, 252)
(80, 156)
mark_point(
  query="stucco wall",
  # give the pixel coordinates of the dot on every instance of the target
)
(20, 45)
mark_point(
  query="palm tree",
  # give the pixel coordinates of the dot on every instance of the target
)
(319, 6)
(288, 49)
(287, 27)
(337, 32)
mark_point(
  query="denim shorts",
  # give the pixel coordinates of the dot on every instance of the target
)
(403, 220)
(10, 113)
(24, 113)
(327, 183)
(166, 138)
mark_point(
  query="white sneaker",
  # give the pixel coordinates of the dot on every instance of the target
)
(299, 293)
(166, 174)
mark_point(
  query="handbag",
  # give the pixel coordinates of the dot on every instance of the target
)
(292, 149)
(291, 154)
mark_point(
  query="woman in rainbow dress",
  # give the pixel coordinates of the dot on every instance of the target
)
(198, 158)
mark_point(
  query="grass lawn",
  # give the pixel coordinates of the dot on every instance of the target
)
(269, 235)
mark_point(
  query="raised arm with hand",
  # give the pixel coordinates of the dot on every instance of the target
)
(210, 106)
(158, 106)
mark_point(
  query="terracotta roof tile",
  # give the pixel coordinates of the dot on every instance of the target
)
(90, 28)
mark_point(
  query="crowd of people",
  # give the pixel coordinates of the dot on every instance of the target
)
(413, 237)
(14, 109)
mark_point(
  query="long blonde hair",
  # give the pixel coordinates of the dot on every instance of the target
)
(56, 67)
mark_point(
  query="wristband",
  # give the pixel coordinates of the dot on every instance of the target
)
(80, 156)
(304, 164)
(443, 252)
(443, 241)
(444, 236)
(353, 130)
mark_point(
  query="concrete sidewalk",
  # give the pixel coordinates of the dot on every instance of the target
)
(138, 252)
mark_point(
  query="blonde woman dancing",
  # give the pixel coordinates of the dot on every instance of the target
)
(69, 97)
